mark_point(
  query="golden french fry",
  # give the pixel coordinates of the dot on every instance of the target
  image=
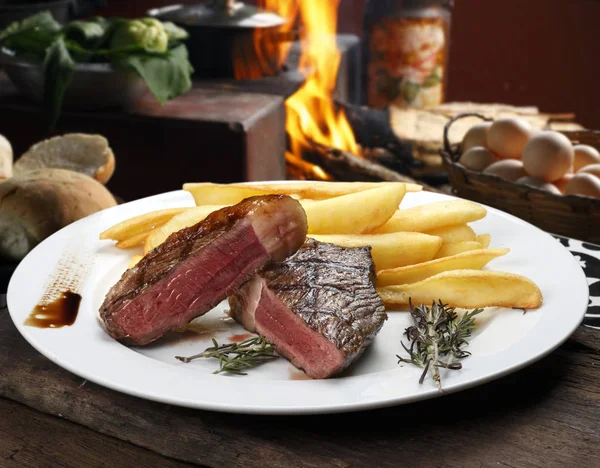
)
(355, 213)
(139, 224)
(458, 233)
(134, 260)
(470, 260)
(221, 194)
(425, 218)
(306, 201)
(390, 250)
(454, 248)
(316, 190)
(484, 240)
(184, 219)
(133, 241)
(467, 289)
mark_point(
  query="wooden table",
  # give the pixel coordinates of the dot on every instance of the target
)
(546, 415)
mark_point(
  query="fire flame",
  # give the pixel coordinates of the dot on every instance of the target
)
(311, 115)
(269, 48)
(298, 168)
(274, 43)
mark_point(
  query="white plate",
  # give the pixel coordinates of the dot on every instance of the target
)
(505, 341)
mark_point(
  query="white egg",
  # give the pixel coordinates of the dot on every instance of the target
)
(561, 184)
(548, 155)
(539, 183)
(593, 169)
(477, 158)
(508, 136)
(509, 169)
(584, 184)
(584, 156)
(475, 136)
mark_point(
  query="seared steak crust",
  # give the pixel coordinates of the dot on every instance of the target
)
(331, 288)
(243, 237)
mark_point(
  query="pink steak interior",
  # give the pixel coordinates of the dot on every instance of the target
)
(196, 285)
(294, 339)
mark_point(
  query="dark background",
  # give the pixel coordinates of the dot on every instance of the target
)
(522, 52)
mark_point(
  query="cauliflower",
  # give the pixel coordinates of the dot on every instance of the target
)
(148, 33)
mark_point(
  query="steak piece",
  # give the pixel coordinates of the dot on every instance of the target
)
(319, 307)
(199, 266)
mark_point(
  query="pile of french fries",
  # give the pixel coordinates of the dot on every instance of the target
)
(425, 253)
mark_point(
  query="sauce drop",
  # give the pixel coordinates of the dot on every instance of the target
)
(56, 314)
(240, 337)
(296, 374)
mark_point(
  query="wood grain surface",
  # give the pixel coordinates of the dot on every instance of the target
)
(543, 416)
(33, 439)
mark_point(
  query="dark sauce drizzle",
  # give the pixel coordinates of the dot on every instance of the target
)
(61, 312)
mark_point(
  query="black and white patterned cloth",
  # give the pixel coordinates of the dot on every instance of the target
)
(588, 256)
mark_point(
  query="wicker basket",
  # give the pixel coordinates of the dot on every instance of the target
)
(573, 216)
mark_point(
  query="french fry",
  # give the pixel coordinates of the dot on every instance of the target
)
(484, 240)
(134, 261)
(133, 241)
(425, 218)
(139, 224)
(458, 233)
(184, 219)
(467, 289)
(355, 213)
(221, 194)
(316, 190)
(390, 250)
(454, 248)
(470, 260)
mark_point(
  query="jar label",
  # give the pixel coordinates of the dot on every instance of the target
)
(407, 62)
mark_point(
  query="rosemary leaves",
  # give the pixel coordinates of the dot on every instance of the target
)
(438, 332)
(236, 357)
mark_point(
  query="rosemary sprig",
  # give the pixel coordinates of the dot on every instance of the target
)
(235, 357)
(437, 332)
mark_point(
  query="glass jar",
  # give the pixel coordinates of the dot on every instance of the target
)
(405, 50)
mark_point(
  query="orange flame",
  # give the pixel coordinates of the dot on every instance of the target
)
(274, 43)
(303, 170)
(268, 50)
(311, 115)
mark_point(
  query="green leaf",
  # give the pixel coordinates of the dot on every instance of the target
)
(58, 70)
(431, 81)
(43, 22)
(105, 55)
(175, 32)
(30, 43)
(106, 23)
(167, 76)
(86, 33)
(31, 36)
(10, 30)
(410, 91)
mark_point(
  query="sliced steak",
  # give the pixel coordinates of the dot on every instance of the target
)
(319, 307)
(198, 267)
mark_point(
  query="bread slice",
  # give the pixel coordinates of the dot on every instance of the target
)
(38, 203)
(6, 159)
(88, 154)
